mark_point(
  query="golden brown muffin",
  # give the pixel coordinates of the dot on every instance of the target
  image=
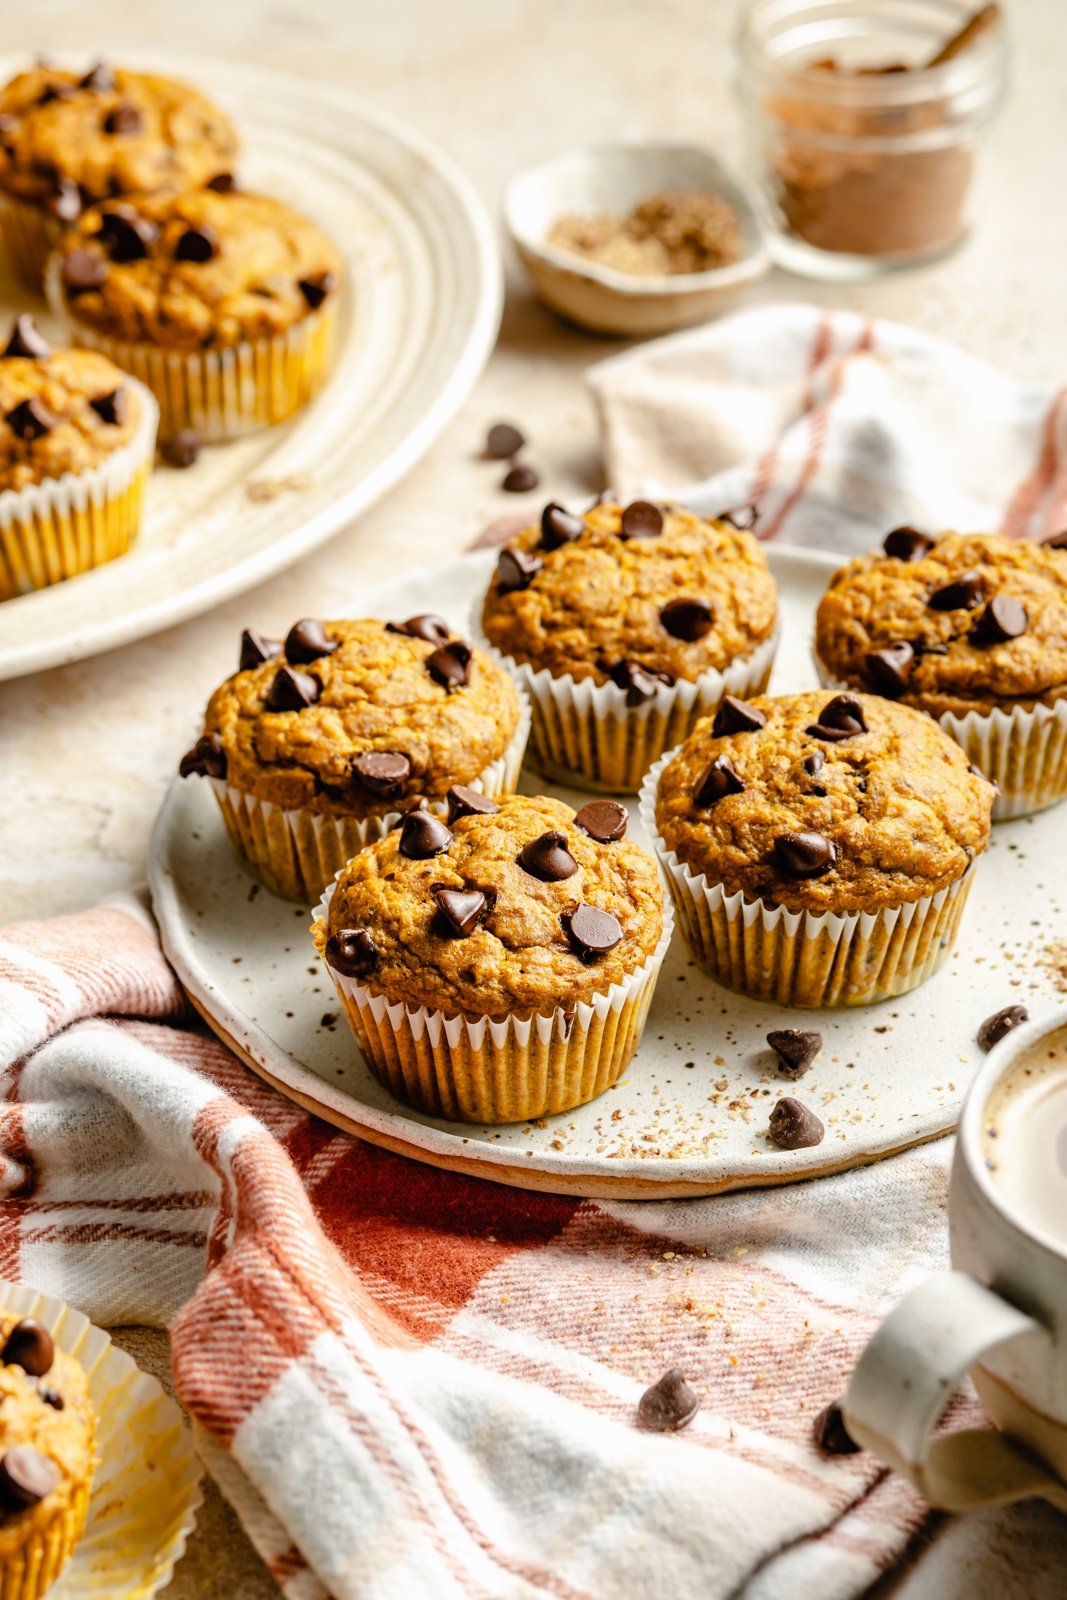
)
(971, 622)
(630, 587)
(823, 802)
(196, 271)
(517, 909)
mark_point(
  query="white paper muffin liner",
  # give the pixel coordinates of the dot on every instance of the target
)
(1024, 752)
(63, 526)
(805, 958)
(481, 1070)
(585, 734)
(297, 852)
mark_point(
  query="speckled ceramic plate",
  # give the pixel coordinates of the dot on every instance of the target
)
(420, 315)
(690, 1114)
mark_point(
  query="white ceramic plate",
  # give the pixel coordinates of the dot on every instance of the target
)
(690, 1114)
(421, 312)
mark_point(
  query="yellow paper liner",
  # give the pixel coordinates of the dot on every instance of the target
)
(28, 234)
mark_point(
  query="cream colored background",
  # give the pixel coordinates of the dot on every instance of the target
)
(85, 752)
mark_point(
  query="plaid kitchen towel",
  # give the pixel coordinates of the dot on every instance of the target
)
(419, 1386)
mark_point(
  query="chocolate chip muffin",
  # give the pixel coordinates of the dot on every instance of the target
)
(77, 438)
(46, 1457)
(626, 625)
(973, 629)
(68, 139)
(513, 910)
(321, 740)
(819, 846)
(224, 303)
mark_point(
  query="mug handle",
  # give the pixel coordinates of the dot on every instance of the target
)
(905, 1377)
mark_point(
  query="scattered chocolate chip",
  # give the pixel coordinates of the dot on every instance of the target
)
(315, 287)
(502, 442)
(29, 1346)
(182, 449)
(720, 780)
(307, 641)
(207, 759)
(352, 952)
(26, 1477)
(222, 183)
(516, 569)
(461, 910)
(1000, 1024)
(736, 716)
(559, 526)
(423, 835)
(804, 855)
(639, 682)
(126, 236)
(27, 340)
(99, 78)
(382, 773)
(830, 1434)
(744, 517)
(1056, 541)
(840, 718)
(111, 408)
(889, 668)
(53, 1398)
(198, 245)
(963, 594)
(123, 119)
(603, 820)
(796, 1049)
(793, 1126)
(907, 544)
(257, 648)
(669, 1404)
(65, 203)
(31, 419)
(464, 802)
(427, 625)
(641, 520)
(814, 763)
(520, 479)
(592, 933)
(687, 619)
(548, 858)
(449, 665)
(292, 691)
(83, 270)
(1003, 618)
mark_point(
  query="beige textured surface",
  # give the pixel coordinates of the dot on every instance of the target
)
(89, 749)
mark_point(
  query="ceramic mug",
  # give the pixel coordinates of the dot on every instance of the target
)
(1001, 1314)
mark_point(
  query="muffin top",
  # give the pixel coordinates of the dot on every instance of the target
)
(60, 410)
(823, 802)
(518, 908)
(639, 595)
(67, 139)
(196, 270)
(46, 1430)
(357, 717)
(969, 622)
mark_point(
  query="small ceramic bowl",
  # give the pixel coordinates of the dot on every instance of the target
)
(615, 178)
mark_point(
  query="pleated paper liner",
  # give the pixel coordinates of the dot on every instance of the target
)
(146, 1489)
(483, 1071)
(64, 526)
(28, 233)
(805, 958)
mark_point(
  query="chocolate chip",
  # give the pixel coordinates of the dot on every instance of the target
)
(382, 773)
(29, 1346)
(461, 910)
(639, 682)
(126, 236)
(840, 718)
(123, 119)
(603, 820)
(83, 270)
(26, 1477)
(516, 569)
(207, 759)
(53, 1398)
(669, 1404)
(1056, 541)
(292, 691)
(427, 625)
(55, 91)
(963, 594)
(222, 183)
(198, 244)
(307, 641)
(641, 520)
(736, 716)
(31, 419)
(796, 1049)
(99, 78)
(889, 668)
(315, 287)
(502, 442)
(423, 835)
(1002, 619)
(907, 544)
(720, 780)
(352, 952)
(520, 479)
(814, 763)
(111, 408)
(464, 802)
(65, 203)
(257, 648)
(559, 526)
(830, 1434)
(744, 517)
(687, 619)
(449, 665)
(27, 340)
(804, 855)
(548, 858)
(1000, 1024)
(182, 449)
(592, 933)
(793, 1126)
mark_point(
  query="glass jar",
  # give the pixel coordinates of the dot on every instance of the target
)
(863, 148)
